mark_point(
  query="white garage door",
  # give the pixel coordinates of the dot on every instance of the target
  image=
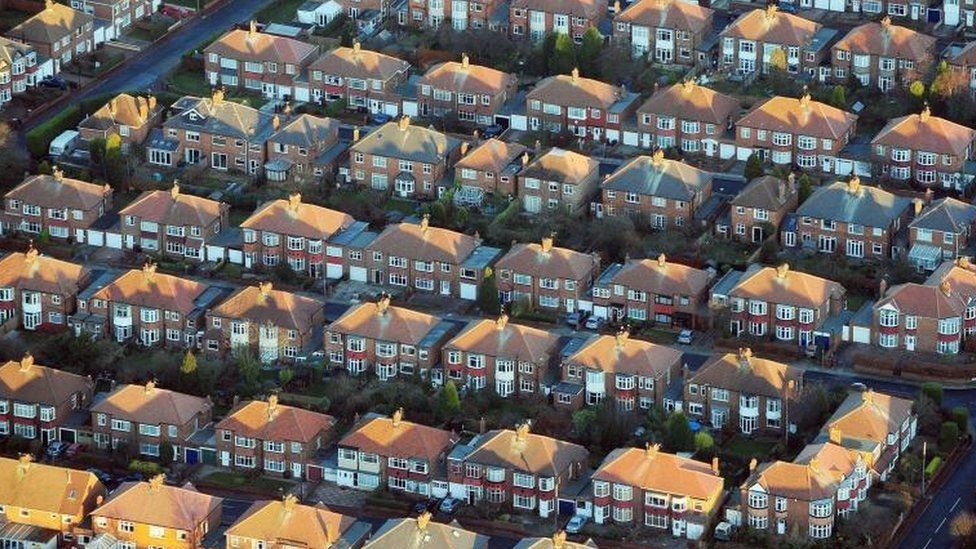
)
(469, 291)
(333, 270)
(357, 274)
(113, 240)
(96, 238)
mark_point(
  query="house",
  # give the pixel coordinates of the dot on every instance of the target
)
(287, 522)
(667, 491)
(20, 70)
(558, 178)
(274, 324)
(961, 276)
(272, 438)
(361, 78)
(941, 231)
(882, 55)
(429, 259)
(148, 419)
(42, 505)
(491, 167)
(742, 390)
(786, 305)
(38, 290)
(471, 93)
(785, 131)
(668, 31)
(295, 232)
(303, 149)
(404, 532)
(921, 317)
(539, 18)
(514, 359)
(483, 14)
(849, 219)
(588, 108)
(877, 426)
(756, 213)
(385, 340)
(173, 223)
(557, 541)
(648, 290)
(515, 469)
(149, 513)
(118, 14)
(37, 401)
(129, 117)
(633, 373)
(925, 149)
(762, 39)
(408, 161)
(655, 191)
(395, 454)
(62, 206)
(547, 276)
(59, 32)
(220, 134)
(271, 65)
(148, 306)
(963, 64)
(685, 115)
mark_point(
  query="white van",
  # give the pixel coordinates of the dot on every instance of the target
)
(63, 144)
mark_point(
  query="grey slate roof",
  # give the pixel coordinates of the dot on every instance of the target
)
(221, 118)
(671, 179)
(868, 206)
(947, 214)
(307, 131)
(415, 143)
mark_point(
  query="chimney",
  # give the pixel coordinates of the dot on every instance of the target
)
(559, 538)
(522, 431)
(272, 406)
(113, 105)
(404, 123)
(149, 271)
(26, 362)
(175, 190)
(805, 101)
(928, 195)
(946, 288)
(546, 244)
(30, 256)
(355, 134)
(150, 387)
(782, 270)
(745, 357)
(752, 464)
(781, 192)
(771, 10)
(854, 185)
(49, 4)
(397, 417)
(917, 205)
(58, 173)
(622, 335)
(886, 24)
(963, 262)
(143, 108)
(923, 116)
(23, 465)
(423, 520)
(156, 482)
(289, 502)
(152, 103)
(502, 321)
(882, 288)
(264, 289)
(464, 60)
(482, 427)
(575, 74)
(218, 96)
(662, 261)
(715, 465)
(835, 434)
(383, 304)
(356, 46)
(651, 450)
(464, 148)
(616, 7)
(814, 464)
(294, 201)
(657, 158)
(525, 158)
(687, 86)
(424, 223)
(275, 122)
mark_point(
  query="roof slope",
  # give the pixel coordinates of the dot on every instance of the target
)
(802, 116)
(396, 437)
(174, 208)
(621, 354)
(689, 101)
(290, 523)
(661, 277)
(269, 420)
(546, 260)
(946, 214)
(258, 46)
(852, 202)
(423, 242)
(263, 305)
(25, 381)
(151, 405)
(575, 91)
(147, 288)
(653, 470)
(155, 503)
(404, 141)
(383, 322)
(527, 452)
(658, 176)
(668, 14)
(561, 165)
(355, 62)
(463, 77)
(782, 285)
(924, 132)
(887, 40)
(293, 218)
(31, 271)
(57, 191)
(46, 488)
(501, 338)
(745, 373)
(773, 26)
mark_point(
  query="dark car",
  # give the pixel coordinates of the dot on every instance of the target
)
(380, 118)
(492, 131)
(54, 82)
(132, 477)
(449, 505)
(56, 449)
(101, 475)
(422, 507)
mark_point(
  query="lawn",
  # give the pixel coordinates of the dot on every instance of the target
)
(237, 481)
(748, 448)
(280, 11)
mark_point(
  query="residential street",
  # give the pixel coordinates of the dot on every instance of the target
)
(142, 71)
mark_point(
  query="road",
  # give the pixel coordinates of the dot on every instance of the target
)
(145, 68)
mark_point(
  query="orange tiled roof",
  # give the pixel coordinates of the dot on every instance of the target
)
(869, 415)
(501, 338)
(31, 271)
(293, 218)
(25, 381)
(924, 300)
(785, 286)
(656, 471)
(359, 63)
(561, 165)
(625, 355)
(773, 26)
(491, 155)
(546, 260)
(124, 110)
(152, 405)
(174, 208)
(745, 373)
(658, 276)
(887, 40)
(689, 101)
(667, 14)
(157, 504)
(290, 523)
(147, 288)
(46, 488)
(526, 452)
(799, 116)
(463, 77)
(575, 91)
(424, 242)
(263, 305)
(269, 420)
(250, 45)
(924, 132)
(57, 191)
(396, 437)
(383, 322)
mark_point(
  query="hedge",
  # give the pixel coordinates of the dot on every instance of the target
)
(933, 466)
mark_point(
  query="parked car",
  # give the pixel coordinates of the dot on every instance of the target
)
(593, 323)
(423, 506)
(101, 475)
(54, 82)
(685, 337)
(449, 505)
(133, 477)
(56, 449)
(575, 524)
(75, 449)
(723, 531)
(493, 131)
(380, 118)
(574, 319)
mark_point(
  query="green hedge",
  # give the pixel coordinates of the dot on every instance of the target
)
(933, 466)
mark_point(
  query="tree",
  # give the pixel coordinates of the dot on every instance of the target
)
(678, 436)
(960, 414)
(963, 528)
(777, 59)
(589, 52)
(448, 401)
(115, 164)
(804, 188)
(248, 372)
(754, 167)
(933, 391)
(838, 97)
(563, 58)
(948, 436)
(488, 293)
(917, 89)
(15, 158)
(189, 365)
(703, 441)
(583, 420)
(44, 168)
(285, 376)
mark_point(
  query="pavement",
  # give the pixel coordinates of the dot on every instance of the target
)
(141, 72)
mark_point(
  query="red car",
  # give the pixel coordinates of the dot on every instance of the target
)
(75, 449)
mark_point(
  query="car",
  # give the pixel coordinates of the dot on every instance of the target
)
(75, 449)
(723, 531)
(787, 7)
(380, 118)
(449, 505)
(492, 131)
(574, 319)
(575, 524)
(101, 475)
(56, 449)
(685, 337)
(54, 82)
(422, 507)
(132, 477)
(593, 323)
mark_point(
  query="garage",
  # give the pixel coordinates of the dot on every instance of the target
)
(357, 274)
(113, 240)
(333, 271)
(469, 291)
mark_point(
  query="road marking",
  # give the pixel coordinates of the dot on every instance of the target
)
(927, 544)
(954, 505)
(941, 524)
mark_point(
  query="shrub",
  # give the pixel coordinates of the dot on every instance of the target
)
(933, 391)
(148, 468)
(960, 414)
(933, 466)
(948, 436)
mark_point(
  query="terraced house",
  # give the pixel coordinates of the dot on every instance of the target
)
(173, 223)
(588, 108)
(547, 276)
(514, 468)
(848, 218)
(19, 71)
(760, 208)
(512, 359)
(220, 134)
(38, 402)
(404, 160)
(276, 325)
(940, 231)
(764, 38)
(632, 373)
(362, 78)
(39, 291)
(667, 31)
(151, 307)
(59, 205)
(272, 438)
(655, 191)
(390, 452)
(649, 290)
(295, 233)
(271, 65)
(303, 149)
(149, 420)
(57, 31)
(558, 179)
(538, 18)
(472, 93)
(789, 306)
(686, 115)
(925, 149)
(751, 394)
(785, 131)
(656, 489)
(129, 117)
(491, 167)
(882, 55)
(386, 340)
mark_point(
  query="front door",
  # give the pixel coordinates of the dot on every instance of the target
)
(445, 287)
(296, 470)
(377, 277)
(909, 343)
(225, 459)
(757, 234)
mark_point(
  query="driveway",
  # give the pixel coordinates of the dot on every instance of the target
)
(142, 71)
